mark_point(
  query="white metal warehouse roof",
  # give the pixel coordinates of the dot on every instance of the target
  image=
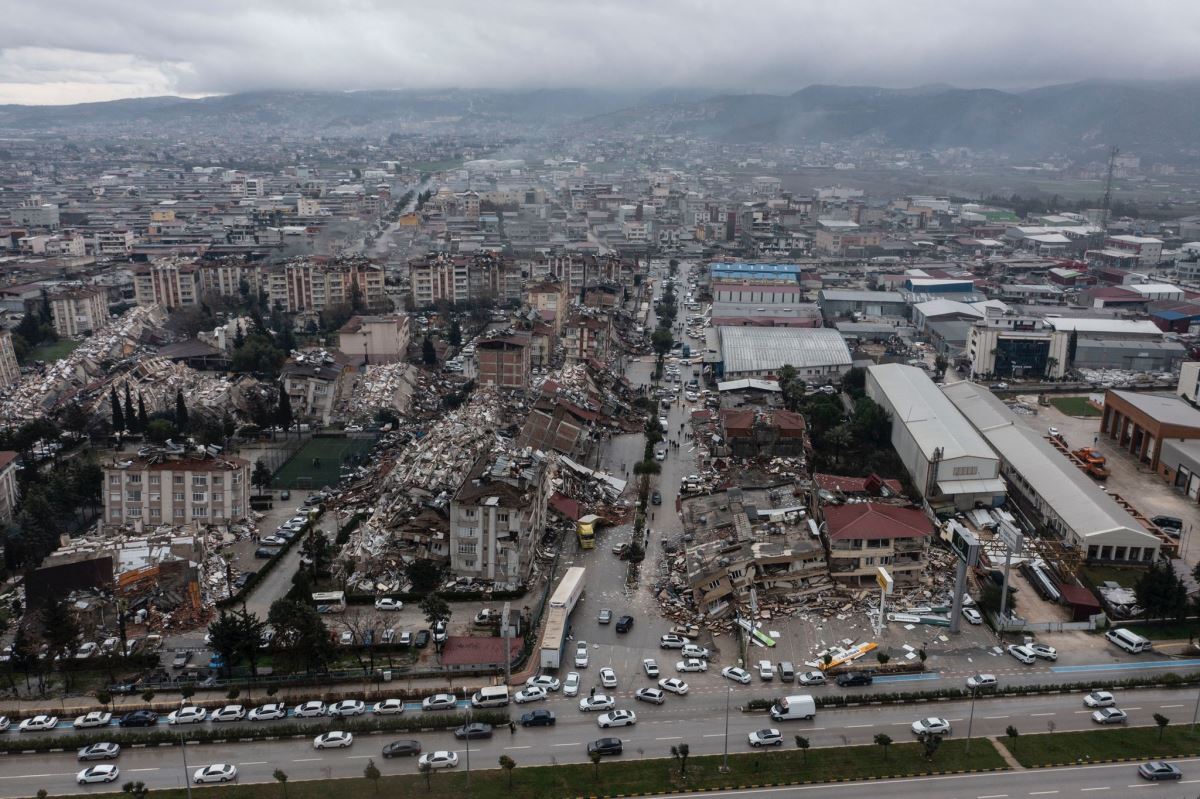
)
(931, 418)
(761, 349)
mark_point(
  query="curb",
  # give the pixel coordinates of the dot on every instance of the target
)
(1099, 761)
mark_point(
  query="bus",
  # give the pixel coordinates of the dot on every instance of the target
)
(330, 601)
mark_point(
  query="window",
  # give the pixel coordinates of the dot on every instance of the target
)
(469, 513)
(179, 513)
(114, 479)
(199, 512)
(135, 512)
(115, 513)
(156, 514)
(178, 496)
(114, 496)
(155, 479)
(218, 481)
(961, 471)
(199, 480)
(133, 496)
(198, 496)
(155, 497)
(467, 547)
(178, 479)
(469, 563)
(502, 516)
(133, 478)
(218, 498)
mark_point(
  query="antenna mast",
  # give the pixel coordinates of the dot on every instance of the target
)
(1108, 184)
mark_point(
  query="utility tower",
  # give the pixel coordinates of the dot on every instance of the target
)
(1108, 183)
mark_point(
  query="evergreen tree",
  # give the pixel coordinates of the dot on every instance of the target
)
(283, 413)
(1072, 346)
(181, 412)
(239, 338)
(143, 420)
(428, 353)
(130, 416)
(455, 334)
(118, 418)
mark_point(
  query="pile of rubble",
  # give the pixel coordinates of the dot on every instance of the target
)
(158, 380)
(391, 385)
(1115, 378)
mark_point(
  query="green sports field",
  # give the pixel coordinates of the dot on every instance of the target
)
(320, 462)
(1074, 406)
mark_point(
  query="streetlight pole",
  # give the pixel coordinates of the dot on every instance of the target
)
(467, 737)
(725, 763)
(971, 719)
(1196, 712)
(187, 778)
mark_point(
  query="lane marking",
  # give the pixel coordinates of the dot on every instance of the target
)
(37, 776)
(358, 757)
(1105, 788)
(144, 769)
(991, 717)
(574, 744)
(307, 760)
(1034, 715)
(1041, 793)
(993, 796)
(670, 738)
(255, 763)
(1166, 706)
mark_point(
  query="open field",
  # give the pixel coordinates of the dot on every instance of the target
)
(53, 352)
(1074, 406)
(319, 462)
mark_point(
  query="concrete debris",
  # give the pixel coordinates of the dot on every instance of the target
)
(390, 386)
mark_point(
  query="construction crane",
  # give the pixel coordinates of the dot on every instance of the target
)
(1108, 184)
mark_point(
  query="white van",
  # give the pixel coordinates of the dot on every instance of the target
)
(800, 706)
(1130, 642)
(491, 696)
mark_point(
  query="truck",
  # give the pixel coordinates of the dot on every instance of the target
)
(687, 351)
(569, 589)
(1093, 462)
(562, 602)
(587, 531)
(799, 706)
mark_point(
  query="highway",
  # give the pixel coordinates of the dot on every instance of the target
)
(697, 720)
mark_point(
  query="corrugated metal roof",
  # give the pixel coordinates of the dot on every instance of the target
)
(856, 295)
(931, 419)
(762, 349)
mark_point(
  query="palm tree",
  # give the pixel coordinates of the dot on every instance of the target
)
(281, 777)
(884, 740)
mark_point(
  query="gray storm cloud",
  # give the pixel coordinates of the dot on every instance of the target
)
(61, 51)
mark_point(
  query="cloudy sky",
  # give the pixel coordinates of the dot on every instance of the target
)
(67, 51)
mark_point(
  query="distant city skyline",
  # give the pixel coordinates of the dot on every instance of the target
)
(71, 51)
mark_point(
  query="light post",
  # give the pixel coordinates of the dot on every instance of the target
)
(1196, 712)
(467, 737)
(187, 778)
(725, 762)
(971, 718)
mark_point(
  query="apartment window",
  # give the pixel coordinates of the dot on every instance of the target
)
(199, 512)
(199, 480)
(178, 479)
(467, 532)
(156, 514)
(114, 496)
(179, 513)
(469, 563)
(218, 498)
(199, 496)
(114, 479)
(235, 510)
(115, 513)
(155, 479)
(155, 497)
(135, 512)
(133, 496)
(178, 496)
(469, 513)
(502, 516)
(134, 478)
(218, 481)
(467, 548)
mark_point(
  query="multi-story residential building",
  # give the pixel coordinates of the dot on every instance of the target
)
(228, 277)
(867, 535)
(171, 284)
(482, 277)
(76, 312)
(843, 237)
(315, 383)
(113, 242)
(36, 214)
(503, 361)
(549, 299)
(375, 339)
(586, 336)
(497, 517)
(8, 485)
(10, 373)
(318, 283)
(1147, 249)
(176, 488)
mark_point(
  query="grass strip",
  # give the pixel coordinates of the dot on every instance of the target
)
(1131, 743)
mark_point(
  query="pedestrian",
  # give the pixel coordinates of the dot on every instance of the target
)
(593, 693)
(512, 727)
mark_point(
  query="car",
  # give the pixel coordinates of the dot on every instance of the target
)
(310, 710)
(406, 638)
(87, 650)
(181, 659)
(1171, 525)
(269, 712)
(1158, 770)
(664, 422)
(605, 746)
(767, 737)
(439, 702)
(972, 615)
(693, 651)
(346, 707)
(931, 726)
(650, 666)
(346, 638)
(440, 631)
(422, 639)
(228, 713)
(387, 603)
(354, 428)
(1099, 699)
(38, 723)
(187, 715)
(139, 718)
(439, 759)
(811, 678)
(266, 553)
(1053, 431)
(617, 718)
(96, 718)
(853, 678)
(544, 681)
(1043, 651)
(766, 671)
(674, 685)
(656, 497)
(538, 718)
(105, 750)
(597, 702)
(334, 739)
(608, 677)
(624, 624)
(387, 636)
(272, 541)
(388, 707)
(654, 696)
(1110, 715)
(103, 773)
(474, 730)
(4, 723)
(981, 681)
(532, 693)
(691, 664)
(402, 748)
(570, 686)
(581, 655)
(673, 641)
(1022, 653)
(605, 616)
(737, 675)
(217, 772)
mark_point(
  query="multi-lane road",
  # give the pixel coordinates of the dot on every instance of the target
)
(697, 719)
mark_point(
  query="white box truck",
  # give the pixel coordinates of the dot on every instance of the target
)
(800, 706)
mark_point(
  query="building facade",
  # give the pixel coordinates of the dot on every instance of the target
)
(375, 339)
(503, 361)
(867, 535)
(10, 372)
(176, 489)
(76, 312)
(8, 485)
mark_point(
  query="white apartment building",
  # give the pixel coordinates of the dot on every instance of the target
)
(10, 373)
(76, 312)
(176, 489)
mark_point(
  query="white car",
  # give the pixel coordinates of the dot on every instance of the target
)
(97, 718)
(346, 638)
(439, 702)
(811, 678)
(105, 750)
(310, 710)
(544, 681)
(269, 712)
(581, 655)
(388, 707)
(438, 759)
(693, 651)
(597, 702)
(346, 707)
(187, 715)
(608, 677)
(570, 686)
(617, 718)
(1099, 699)
(532, 693)
(4, 723)
(1043, 651)
(765, 670)
(1110, 715)
(693, 664)
(228, 713)
(38, 723)
(664, 422)
(105, 772)
(932, 725)
(354, 428)
(767, 737)
(972, 615)
(387, 603)
(650, 666)
(737, 675)
(87, 650)
(673, 641)
(652, 695)
(981, 681)
(1022, 653)
(217, 772)
(334, 739)
(674, 685)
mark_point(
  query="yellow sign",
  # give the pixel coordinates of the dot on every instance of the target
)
(884, 579)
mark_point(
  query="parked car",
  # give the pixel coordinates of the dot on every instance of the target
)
(767, 737)
(228, 713)
(972, 615)
(439, 702)
(105, 750)
(533, 693)
(766, 671)
(346, 707)
(1022, 653)
(422, 639)
(605, 616)
(693, 651)
(187, 715)
(617, 718)
(691, 665)
(654, 696)
(624, 624)
(581, 654)
(538, 718)
(737, 675)
(650, 666)
(387, 603)
(1043, 651)
(439, 631)
(854, 678)
(811, 678)
(544, 681)
(96, 718)
(402, 748)
(608, 677)
(139, 718)
(265, 553)
(473, 731)
(656, 497)
(570, 686)
(673, 641)
(334, 739)
(269, 712)
(931, 726)
(605, 746)
(977, 681)
(388, 707)
(310, 710)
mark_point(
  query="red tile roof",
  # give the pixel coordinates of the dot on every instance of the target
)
(868, 520)
(6, 457)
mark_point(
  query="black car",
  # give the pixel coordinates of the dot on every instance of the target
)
(265, 553)
(139, 718)
(402, 749)
(1171, 525)
(854, 678)
(422, 639)
(123, 689)
(605, 746)
(656, 498)
(476, 729)
(538, 718)
(624, 624)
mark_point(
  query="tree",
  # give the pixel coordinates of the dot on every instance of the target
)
(1162, 722)
(137, 790)
(187, 691)
(930, 744)
(261, 477)
(791, 388)
(371, 772)
(870, 423)
(427, 770)
(428, 353)
(681, 753)
(181, 412)
(803, 744)
(940, 363)
(595, 758)
(1161, 592)
(662, 341)
(283, 413)
(424, 574)
(1051, 366)
(884, 740)
(1072, 347)
(104, 697)
(281, 777)
(356, 295)
(435, 608)
(854, 382)
(143, 420)
(118, 416)
(455, 335)
(74, 418)
(160, 430)
(883, 658)
(239, 341)
(130, 414)
(147, 696)
(1012, 734)
(301, 632)
(229, 642)
(508, 764)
